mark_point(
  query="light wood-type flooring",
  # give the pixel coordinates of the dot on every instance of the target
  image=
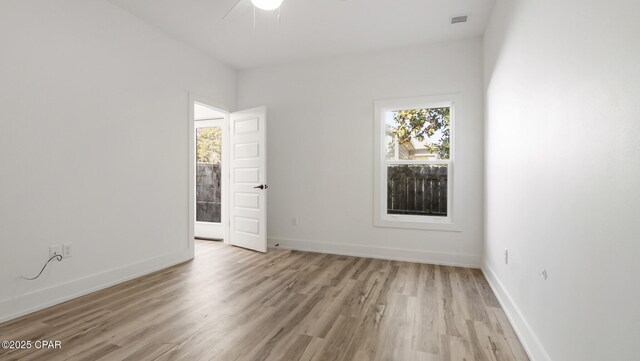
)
(233, 304)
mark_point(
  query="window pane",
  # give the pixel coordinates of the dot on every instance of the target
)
(417, 133)
(419, 189)
(208, 174)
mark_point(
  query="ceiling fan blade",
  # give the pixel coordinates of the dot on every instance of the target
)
(230, 10)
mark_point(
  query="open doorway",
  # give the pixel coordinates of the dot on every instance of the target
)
(228, 175)
(211, 172)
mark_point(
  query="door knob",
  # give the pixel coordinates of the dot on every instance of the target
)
(261, 186)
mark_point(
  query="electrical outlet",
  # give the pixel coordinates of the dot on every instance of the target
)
(506, 256)
(66, 250)
(54, 250)
(294, 221)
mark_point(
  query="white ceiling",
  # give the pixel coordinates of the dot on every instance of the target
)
(308, 28)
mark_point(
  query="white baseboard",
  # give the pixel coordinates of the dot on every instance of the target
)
(396, 254)
(37, 300)
(528, 338)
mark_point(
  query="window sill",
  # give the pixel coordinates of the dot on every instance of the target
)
(443, 225)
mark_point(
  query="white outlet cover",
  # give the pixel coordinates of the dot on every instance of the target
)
(54, 250)
(66, 250)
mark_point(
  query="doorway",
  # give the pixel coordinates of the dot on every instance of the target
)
(210, 172)
(228, 175)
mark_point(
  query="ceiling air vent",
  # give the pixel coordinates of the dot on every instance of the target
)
(459, 19)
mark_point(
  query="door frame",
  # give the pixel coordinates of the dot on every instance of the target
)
(191, 188)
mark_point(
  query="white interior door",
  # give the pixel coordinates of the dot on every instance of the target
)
(248, 173)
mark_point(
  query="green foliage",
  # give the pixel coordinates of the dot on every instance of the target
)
(422, 124)
(209, 145)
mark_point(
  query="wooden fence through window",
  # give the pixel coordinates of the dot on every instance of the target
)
(417, 189)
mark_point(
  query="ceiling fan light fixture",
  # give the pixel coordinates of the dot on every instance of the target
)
(267, 4)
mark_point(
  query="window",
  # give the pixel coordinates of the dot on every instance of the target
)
(414, 162)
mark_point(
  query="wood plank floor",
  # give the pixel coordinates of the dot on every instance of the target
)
(233, 304)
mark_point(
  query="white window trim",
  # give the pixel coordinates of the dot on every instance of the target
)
(381, 218)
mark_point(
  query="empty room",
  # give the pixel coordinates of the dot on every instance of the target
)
(366, 180)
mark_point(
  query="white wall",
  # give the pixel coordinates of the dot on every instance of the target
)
(93, 146)
(320, 131)
(562, 174)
